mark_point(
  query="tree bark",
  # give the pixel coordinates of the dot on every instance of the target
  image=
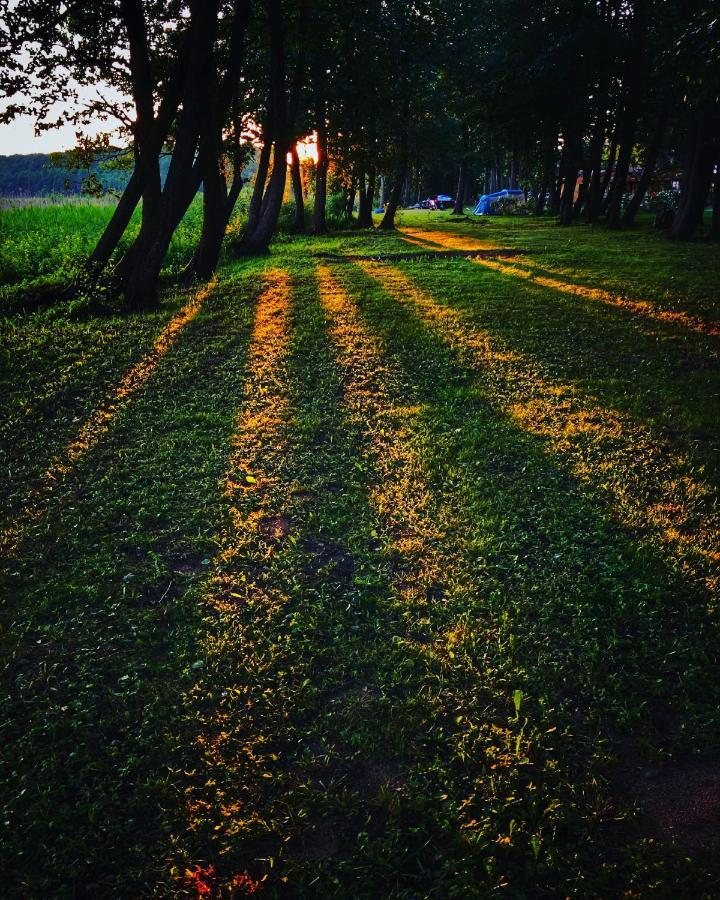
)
(297, 185)
(699, 172)
(146, 167)
(715, 221)
(650, 162)
(141, 287)
(627, 126)
(461, 188)
(258, 242)
(570, 169)
(388, 220)
(260, 183)
(367, 193)
(594, 167)
(459, 206)
(318, 224)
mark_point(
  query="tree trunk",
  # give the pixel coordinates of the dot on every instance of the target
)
(215, 209)
(594, 167)
(633, 89)
(699, 173)
(260, 183)
(141, 287)
(715, 221)
(388, 220)
(350, 200)
(318, 224)
(650, 162)
(569, 170)
(297, 186)
(365, 219)
(461, 188)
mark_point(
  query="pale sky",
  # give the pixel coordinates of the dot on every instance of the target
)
(19, 137)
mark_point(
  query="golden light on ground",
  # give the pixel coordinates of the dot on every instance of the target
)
(402, 493)
(100, 421)
(649, 486)
(264, 406)
(234, 595)
(642, 308)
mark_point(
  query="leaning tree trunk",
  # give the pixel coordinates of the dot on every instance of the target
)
(261, 175)
(141, 287)
(215, 203)
(650, 162)
(297, 185)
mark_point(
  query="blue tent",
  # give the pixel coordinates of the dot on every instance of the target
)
(486, 204)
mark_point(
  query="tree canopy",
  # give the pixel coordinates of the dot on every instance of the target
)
(570, 99)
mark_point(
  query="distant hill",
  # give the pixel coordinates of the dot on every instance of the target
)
(32, 174)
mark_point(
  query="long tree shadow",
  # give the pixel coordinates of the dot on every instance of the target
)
(598, 620)
(660, 372)
(98, 625)
(644, 312)
(356, 733)
(309, 703)
(35, 472)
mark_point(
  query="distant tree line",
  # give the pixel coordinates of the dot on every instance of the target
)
(40, 174)
(530, 92)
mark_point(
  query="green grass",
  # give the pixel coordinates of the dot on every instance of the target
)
(42, 246)
(381, 580)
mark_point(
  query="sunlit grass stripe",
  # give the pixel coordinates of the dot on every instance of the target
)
(254, 489)
(642, 308)
(264, 408)
(100, 421)
(651, 487)
(402, 494)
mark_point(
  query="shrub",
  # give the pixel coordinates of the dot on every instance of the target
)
(662, 201)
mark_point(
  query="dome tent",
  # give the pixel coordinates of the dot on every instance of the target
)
(487, 202)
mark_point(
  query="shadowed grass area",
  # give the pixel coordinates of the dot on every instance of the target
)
(366, 588)
(662, 373)
(99, 625)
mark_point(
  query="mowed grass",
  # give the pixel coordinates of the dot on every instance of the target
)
(378, 578)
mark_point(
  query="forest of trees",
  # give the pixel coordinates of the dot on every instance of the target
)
(530, 93)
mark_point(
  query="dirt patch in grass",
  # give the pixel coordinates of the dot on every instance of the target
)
(679, 801)
(320, 842)
(275, 528)
(327, 557)
(368, 777)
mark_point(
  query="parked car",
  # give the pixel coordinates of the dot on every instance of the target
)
(438, 201)
(442, 201)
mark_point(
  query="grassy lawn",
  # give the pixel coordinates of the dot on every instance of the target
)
(369, 578)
